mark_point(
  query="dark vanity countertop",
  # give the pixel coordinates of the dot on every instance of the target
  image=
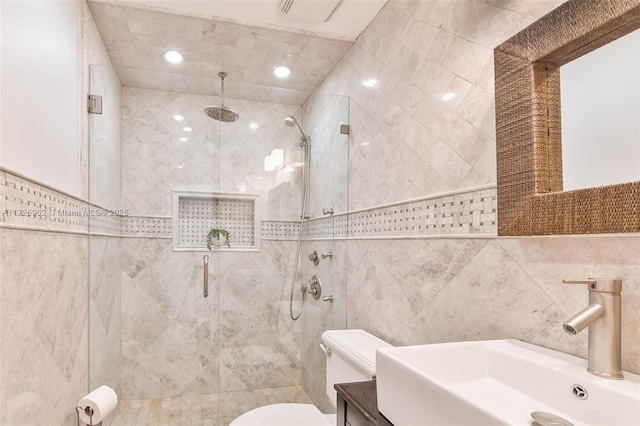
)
(362, 396)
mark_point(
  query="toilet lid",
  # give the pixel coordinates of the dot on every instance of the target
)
(282, 415)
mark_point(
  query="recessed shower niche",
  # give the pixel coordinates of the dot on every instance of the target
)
(195, 213)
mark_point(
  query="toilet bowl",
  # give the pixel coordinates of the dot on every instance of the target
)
(351, 357)
(283, 415)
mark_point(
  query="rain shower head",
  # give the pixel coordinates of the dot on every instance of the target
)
(291, 121)
(221, 113)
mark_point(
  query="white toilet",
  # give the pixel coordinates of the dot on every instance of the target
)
(352, 359)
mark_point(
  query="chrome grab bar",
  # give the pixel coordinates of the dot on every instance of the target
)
(206, 275)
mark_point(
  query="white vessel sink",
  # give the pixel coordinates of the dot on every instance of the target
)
(497, 382)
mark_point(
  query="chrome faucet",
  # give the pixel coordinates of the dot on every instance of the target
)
(603, 317)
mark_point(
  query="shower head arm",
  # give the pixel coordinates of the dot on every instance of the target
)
(222, 75)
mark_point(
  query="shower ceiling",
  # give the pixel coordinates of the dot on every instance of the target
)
(137, 37)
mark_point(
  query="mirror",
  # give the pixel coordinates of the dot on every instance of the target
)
(600, 115)
(531, 199)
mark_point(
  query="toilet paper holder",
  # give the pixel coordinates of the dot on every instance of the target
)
(87, 411)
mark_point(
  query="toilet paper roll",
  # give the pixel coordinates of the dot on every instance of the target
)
(102, 401)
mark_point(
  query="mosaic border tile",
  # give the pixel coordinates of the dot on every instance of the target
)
(28, 204)
(279, 230)
(146, 226)
(461, 213)
(465, 213)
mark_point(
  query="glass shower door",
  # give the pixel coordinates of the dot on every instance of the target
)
(159, 347)
(259, 344)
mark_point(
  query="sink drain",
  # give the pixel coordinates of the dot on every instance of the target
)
(579, 391)
(547, 419)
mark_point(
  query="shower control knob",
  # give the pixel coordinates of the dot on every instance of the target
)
(315, 288)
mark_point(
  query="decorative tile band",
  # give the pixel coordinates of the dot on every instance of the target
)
(319, 228)
(279, 230)
(146, 226)
(24, 203)
(28, 204)
(452, 214)
(464, 213)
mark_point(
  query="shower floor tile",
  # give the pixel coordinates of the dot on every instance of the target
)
(217, 409)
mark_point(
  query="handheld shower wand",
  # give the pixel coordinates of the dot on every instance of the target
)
(305, 143)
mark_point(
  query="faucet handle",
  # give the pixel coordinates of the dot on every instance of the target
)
(600, 285)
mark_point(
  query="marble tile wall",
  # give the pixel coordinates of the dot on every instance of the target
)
(319, 316)
(259, 344)
(406, 141)
(322, 116)
(158, 155)
(176, 342)
(104, 312)
(432, 291)
(169, 333)
(44, 330)
(409, 140)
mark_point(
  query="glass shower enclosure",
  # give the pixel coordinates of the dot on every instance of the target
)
(164, 175)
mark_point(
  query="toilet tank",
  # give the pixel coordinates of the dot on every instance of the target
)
(353, 357)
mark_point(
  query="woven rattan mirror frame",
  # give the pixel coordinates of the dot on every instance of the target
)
(528, 142)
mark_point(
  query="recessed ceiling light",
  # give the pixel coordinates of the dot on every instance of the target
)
(178, 117)
(183, 139)
(281, 72)
(253, 125)
(448, 96)
(187, 129)
(173, 57)
(372, 82)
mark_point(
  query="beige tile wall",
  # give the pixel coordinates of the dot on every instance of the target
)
(176, 342)
(406, 141)
(158, 155)
(44, 329)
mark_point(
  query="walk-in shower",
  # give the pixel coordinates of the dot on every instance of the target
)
(305, 143)
(152, 333)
